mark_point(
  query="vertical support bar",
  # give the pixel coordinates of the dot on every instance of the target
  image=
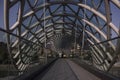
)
(45, 31)
(117, 52)
(75, 39)
(20, 13)
(83, 37)
(6, 26)
(6, 21)
(108, 17)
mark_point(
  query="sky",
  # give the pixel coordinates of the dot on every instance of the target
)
(1, 14)
(114, 10)
(1, 20)
(115, 15)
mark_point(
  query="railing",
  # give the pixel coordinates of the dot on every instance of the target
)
(31, 73)
(101, 74)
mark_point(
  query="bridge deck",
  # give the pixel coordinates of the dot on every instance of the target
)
(64, 69)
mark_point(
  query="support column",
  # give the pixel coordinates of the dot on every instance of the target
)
(108, 17)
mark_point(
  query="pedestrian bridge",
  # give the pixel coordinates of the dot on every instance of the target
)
(60, 40)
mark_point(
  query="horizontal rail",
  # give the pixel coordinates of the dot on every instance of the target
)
(31, 74)
(101, 74)
(106, 41)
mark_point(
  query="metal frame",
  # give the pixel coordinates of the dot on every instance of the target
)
(62, 15)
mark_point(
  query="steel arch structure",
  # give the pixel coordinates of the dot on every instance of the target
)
(31, 23)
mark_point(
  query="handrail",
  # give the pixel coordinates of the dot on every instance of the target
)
(30, 75)
(107, 40)
(101, 74)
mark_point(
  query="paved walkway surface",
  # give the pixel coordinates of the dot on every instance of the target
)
(81, 73)
(64, 69)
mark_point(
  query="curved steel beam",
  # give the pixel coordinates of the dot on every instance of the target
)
(77, 4)
(86, 21)
(99, 31)
(101, 16)
(21, 18)
(55, 15)
(98, 51)
(96, 41)
(110, 57)
(116, 2)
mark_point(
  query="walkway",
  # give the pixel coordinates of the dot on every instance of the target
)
(64, 69)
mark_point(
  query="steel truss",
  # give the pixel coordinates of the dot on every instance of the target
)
(25, 36)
